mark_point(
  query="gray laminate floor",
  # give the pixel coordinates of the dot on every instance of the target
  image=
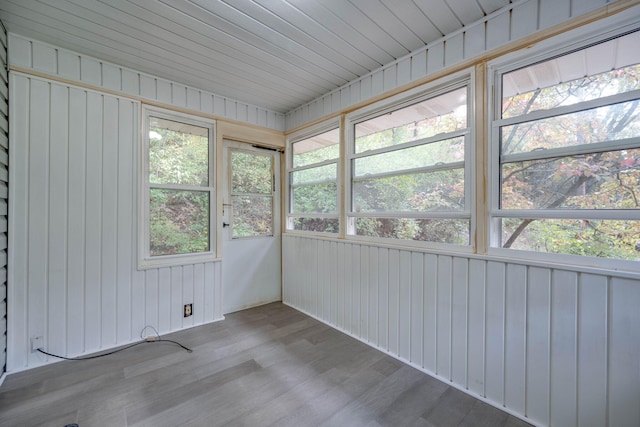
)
(267, 366)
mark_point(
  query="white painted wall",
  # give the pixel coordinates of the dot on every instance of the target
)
(73, 221)
(33, 55)
(553, 345)
(520, 19)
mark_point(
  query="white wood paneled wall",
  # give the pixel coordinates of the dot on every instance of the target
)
(4, 192)
(516, 21)
(34, 55)
(73, 185)
(555, 346)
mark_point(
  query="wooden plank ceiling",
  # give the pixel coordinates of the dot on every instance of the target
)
(276, 54)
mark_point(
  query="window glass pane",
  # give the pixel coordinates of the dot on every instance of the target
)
(573, 78)
(420, 192)
(252, 216)
(612, 122)
(324, 225)
(609, 180)
(315, 198)
(452, 231)
(178, 222)
(447, 151)
(321, 173)
(178, 153)
(444, 113)
(251, 173)
(603, 239)
(316, 149)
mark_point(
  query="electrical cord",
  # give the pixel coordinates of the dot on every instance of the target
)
(148, 340)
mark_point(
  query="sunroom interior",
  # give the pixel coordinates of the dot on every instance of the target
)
(454, 184)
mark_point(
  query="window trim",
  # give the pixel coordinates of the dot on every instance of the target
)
(306, 133)
(464, 78)
(554, 47)
(145, 260)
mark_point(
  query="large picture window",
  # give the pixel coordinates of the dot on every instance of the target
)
(313, 182)
(567, 138)
(409, 170)
(177, 189)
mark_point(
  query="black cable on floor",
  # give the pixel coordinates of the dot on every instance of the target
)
(116, 351)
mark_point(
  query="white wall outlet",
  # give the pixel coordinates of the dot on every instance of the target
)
(37, 343)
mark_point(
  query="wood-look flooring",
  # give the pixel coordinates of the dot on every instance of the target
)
(266, 366)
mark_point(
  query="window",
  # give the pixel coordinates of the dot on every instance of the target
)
(567, 138)
(409, 169)
(177, 190)
(313, 177)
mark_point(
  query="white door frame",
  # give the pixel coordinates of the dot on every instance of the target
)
(251, 266)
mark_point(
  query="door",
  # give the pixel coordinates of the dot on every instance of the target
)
(251, 267)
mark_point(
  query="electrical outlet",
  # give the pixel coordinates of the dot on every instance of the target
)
(188, 310)
(36, 343)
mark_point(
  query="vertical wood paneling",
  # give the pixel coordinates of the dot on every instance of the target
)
(68, 65)
(454, 50)
(579, 7)
(74, 271)
(93, 231)
(498, 31)
(494, 333)
(417, 312)
(474, 41)
(404, 305)
(553, 12)
(430, 303)
(58, 219)
(355, 291)
(76, 218)
(90, 70)
(515, 333)
(538, 345)
(518, 20)
(340, 264)
(592, 350)
(564, 317)
(419, 65)
(198, 293)
(111, 77)
(334, 289)
(383, 299)
(109, 215)
(443, 317)
(365, 290)
(394, 300)
(624, 353)
(164, 300)
(42, 57)
(151, 286)
(459, 321)
(187, 292)
(126, 215)
(435, 57)
(531, 339)
(37, 214)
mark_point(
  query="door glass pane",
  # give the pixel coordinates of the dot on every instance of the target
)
(252, 216)
(251, 173)
(251, 194)
(178, 221)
